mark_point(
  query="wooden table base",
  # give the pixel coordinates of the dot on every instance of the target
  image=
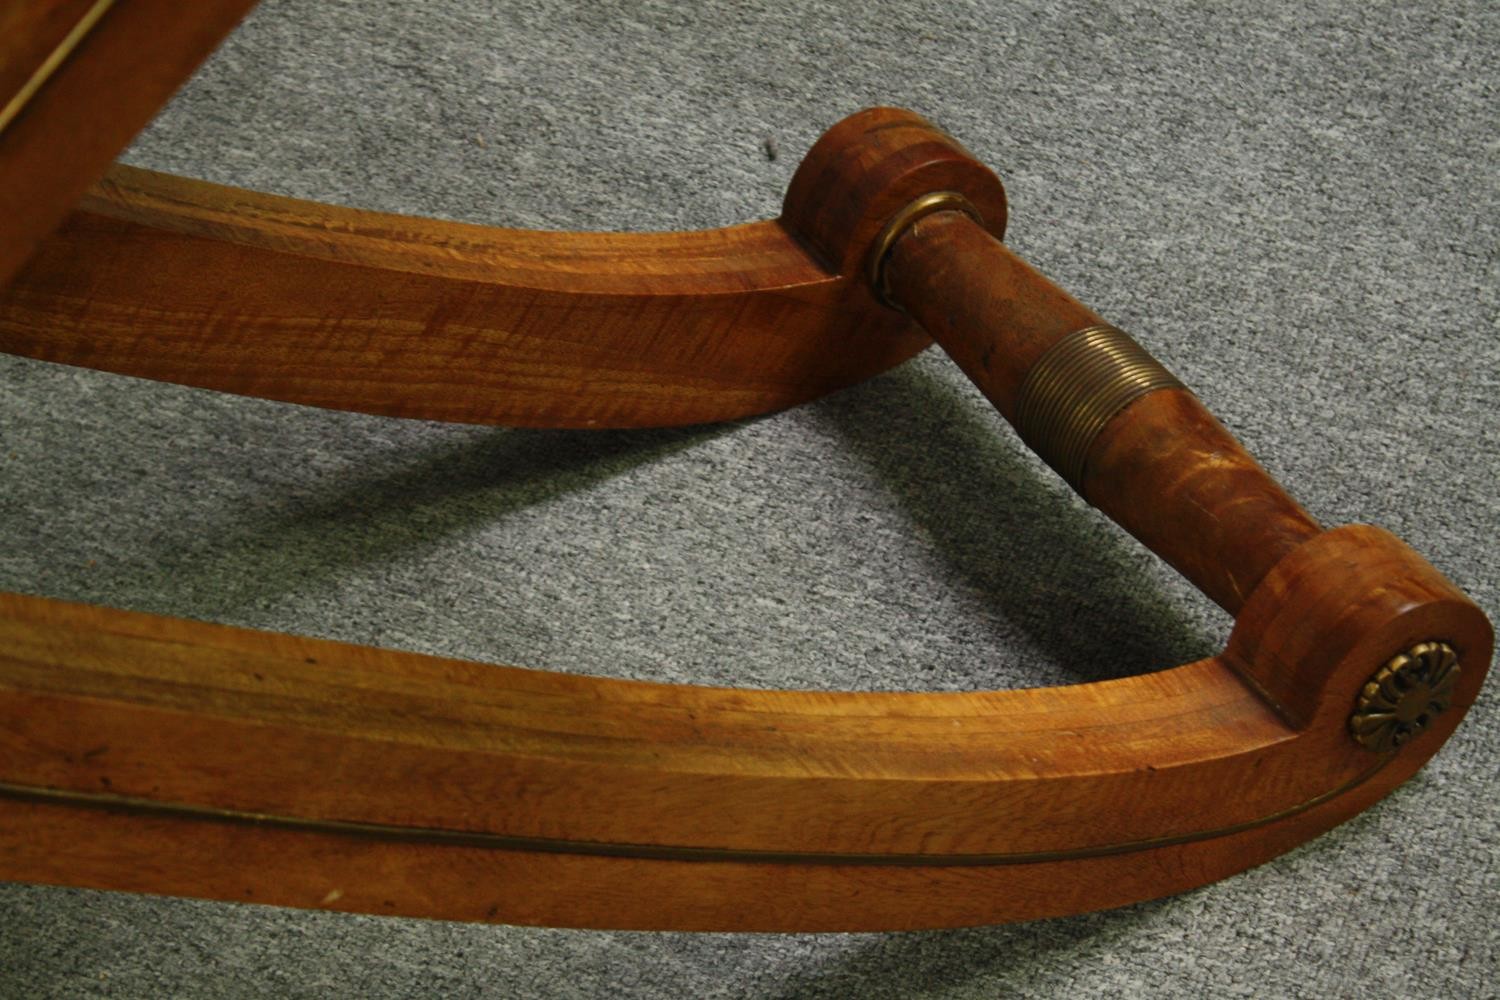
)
(153, 754)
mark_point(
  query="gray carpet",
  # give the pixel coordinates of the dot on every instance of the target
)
(1294, 205)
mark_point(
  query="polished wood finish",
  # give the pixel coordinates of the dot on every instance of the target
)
(869, 166)
(619, 804)
(387, 314)
(1171, 475)
(1338, 603)
(994, 313)
(1165, 469)
(33, 38)
(332, 872)
(153, 754)
(110, 84)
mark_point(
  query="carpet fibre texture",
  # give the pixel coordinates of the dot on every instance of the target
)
(1295, 206)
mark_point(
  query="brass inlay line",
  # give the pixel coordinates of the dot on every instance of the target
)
(442, 837)
(53, 61)
(1077, 387)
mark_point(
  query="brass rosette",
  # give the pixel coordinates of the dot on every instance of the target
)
(1404, 696)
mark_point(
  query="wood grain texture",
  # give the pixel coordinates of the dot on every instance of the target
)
(740, 809)
(324, 871)
(165, 709)
(1344, 600)
(1164, 469)
(154, 754)
(1169, 473)
(992, 312)
(868, 167)
(109, 86)
(203, 285)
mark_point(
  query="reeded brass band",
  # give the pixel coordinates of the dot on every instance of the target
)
(1077, 387)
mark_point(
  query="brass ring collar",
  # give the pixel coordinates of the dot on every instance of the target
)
(935, 201)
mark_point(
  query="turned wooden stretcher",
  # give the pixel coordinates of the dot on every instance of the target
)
(154, 754)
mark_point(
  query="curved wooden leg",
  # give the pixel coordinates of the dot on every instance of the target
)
(159, 755)
(347, 309)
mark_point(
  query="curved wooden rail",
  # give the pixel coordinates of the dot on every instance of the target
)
(158, 755)
(153, 754)
(188, 282)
